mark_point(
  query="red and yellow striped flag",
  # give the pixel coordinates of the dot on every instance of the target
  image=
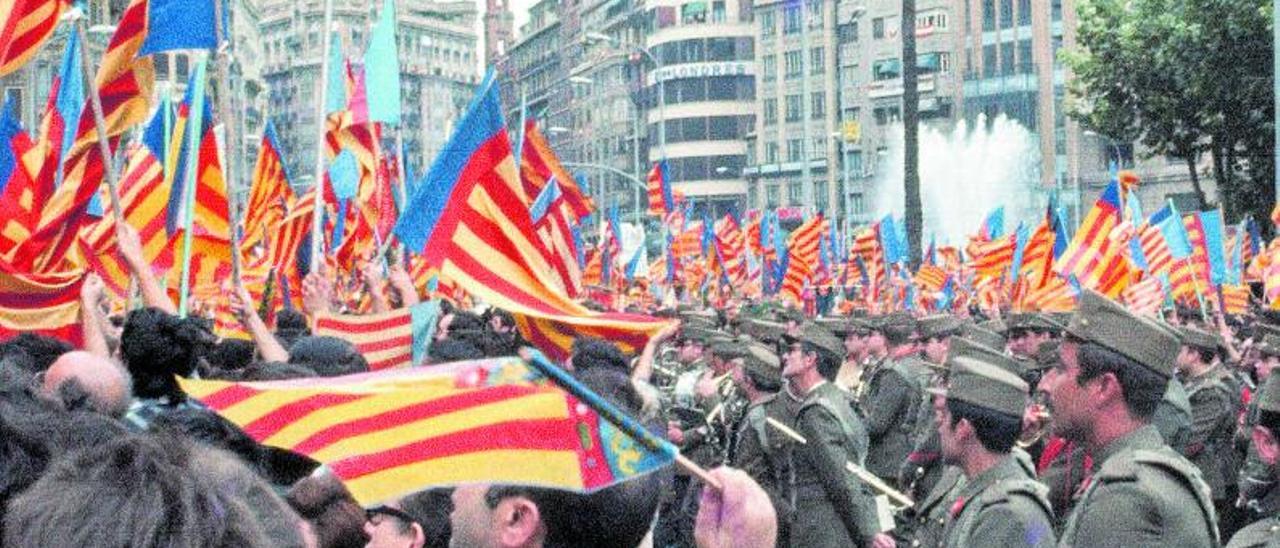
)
(24, 27)
(389, 340)
(270, 196)
(1235, 299)
(802, 258)
(1146, 297)
(992, 259)
(389, 433)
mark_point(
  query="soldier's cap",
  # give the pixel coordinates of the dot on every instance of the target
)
(1105, 322)
(1270, 345)
(939, 326)
(699, 318)
(790, 315)
(695, 333)
(1034, 321)
(996, 325)
(967, 349)
(983, 335)
(763, 330)
(895, 320)
(761, 360)
(986, 385)
(840, 327)
(726, 347)
(860, 326)
(1199, 338)
(1261, 330)
(818, 336)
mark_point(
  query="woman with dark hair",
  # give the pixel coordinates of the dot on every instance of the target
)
(157, 347)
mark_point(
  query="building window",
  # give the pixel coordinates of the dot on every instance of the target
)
(181, 67)
(815, 13)
(1006, 14)
(770, 111)
(853, 163)
(693, 13)
(988, 60)
(771, 153)
(929, 63)
(877, 28)
(886, 115)
(770, 68)
(817, 60)
(818, 149)
(795, 150)
(886, 69)
(793, 61)
(767, 25)
(162, 66)
(717, 11)
(795, 193)
(849, 32)
(1024, 12)
(1055, 8)
(934, 20)
(818, 105)
(793, 108)
(1006, 58)
(772, 195)
(820, 195)
(988, 15)
(790, 19)
(1025, 60)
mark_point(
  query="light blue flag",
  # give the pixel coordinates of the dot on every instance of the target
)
(336, 95)
(70, 101)
(993, 225)
(1175, 235)
(1234, 267)
(1020, 246)
(1211, 222)
(344, 175)
(178, 24)
(889, 239)
(382, 68)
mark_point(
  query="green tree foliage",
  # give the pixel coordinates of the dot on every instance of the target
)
(1185, 78)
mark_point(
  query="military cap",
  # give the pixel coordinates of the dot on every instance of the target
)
(939, 326)
(1270, 345)
(763, 330)
(997, 325)
(761, 360)
(986, 385)
(727, 348)
(790, 315)
(1034, 321)
(982, 335)
(697, 334)
(1198, 338)
(1047, 356)
(1108, 323)
(818, 336)
(1261, 330)
(701, 318)
(840, 327)
(898, 319)
(967, 349)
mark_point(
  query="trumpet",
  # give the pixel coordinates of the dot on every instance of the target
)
(1042, 419)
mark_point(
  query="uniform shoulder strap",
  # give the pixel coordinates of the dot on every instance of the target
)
(1005, 490)
(1175, 465)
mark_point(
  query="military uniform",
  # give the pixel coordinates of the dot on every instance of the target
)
(892, 405)
(1141, 493)
(832, 507)
(1213, 413)
(1264, 506)
(926, 522)
(1173, 416)
(760, 451)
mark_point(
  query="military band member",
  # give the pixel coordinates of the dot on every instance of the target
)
(979, 417)
(923, 464)
(1214, 405)
(759, 451)
(832, 507)
(1258, 492)
(1265, 531)
(893, 398)
(1115, 369)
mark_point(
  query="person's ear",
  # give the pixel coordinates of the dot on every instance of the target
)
(519, 522)
(419, 536)
(1268, 447)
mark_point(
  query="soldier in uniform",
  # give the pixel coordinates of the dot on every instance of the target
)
(893, 398)
(833, 509)
(758, 450)
(1115, 368)
(1256, 480)
(875, 351)
(979, 417)
(923, 465)
(1265, 531)
(1213, 412)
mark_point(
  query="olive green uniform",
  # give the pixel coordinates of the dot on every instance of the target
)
(1142, 493)
(892, 403)
(1002, 506)
(1213, 413)
(832, 507)
(765, 455)
(926, 522)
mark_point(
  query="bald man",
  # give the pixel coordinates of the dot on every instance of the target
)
(80, 378)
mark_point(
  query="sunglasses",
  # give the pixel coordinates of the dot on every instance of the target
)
(373, 515)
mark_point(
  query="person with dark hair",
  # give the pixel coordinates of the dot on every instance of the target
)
(429, 510)
(231, 354)
(39, 350)
(590, 352)
(1115, 369)
(894, 394)
(333, 517)
(487, 515)
(452, 350)
(130, 491)
(291, 325)
(832, 507)
(757, 450)
(500, 321)
(156, 348)
(979, 417)
(1214, 407)
(328, 356)
(273, 371)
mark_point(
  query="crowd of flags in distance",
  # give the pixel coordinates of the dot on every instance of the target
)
(496, 221)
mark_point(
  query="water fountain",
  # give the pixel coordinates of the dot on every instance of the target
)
(964, 174)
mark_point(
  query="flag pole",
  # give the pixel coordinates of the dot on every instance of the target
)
(99, 122)
(230, 176)
(193, 135)
(317, 223)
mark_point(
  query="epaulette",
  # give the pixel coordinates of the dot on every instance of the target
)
(1003, 490)
(1186, 472)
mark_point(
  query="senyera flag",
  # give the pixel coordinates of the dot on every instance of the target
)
(389, 433)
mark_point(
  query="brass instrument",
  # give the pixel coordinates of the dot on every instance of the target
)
(1030, 437)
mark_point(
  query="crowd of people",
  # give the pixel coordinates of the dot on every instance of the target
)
(1093, 428)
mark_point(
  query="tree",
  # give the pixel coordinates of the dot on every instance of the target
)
(1183, 78)
(912, 209)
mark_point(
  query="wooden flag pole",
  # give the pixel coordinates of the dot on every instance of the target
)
(317, 224)
(230, 175)
(99, 122)
(854, 469)
(194, 123)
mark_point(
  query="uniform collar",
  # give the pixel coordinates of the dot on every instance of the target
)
(1146, 437)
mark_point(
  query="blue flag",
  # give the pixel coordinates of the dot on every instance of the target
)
(178, 24)
(1211, 222)
(382, 68)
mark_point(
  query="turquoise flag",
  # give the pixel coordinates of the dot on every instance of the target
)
(336, 96)
(382, 68)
